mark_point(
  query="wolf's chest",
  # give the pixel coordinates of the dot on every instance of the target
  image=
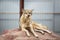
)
(27, 21)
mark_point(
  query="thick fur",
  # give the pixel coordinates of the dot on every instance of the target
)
(27, 23)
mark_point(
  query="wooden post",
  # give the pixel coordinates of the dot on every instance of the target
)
(20, 13)
(21, 6)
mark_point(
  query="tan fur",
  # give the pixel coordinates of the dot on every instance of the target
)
(26, 22)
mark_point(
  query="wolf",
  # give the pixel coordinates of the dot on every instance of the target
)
(26, 24)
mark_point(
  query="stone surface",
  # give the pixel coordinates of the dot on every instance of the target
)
(21, 35)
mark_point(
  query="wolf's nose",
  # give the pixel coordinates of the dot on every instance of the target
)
(28, 15)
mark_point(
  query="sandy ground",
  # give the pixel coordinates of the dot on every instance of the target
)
(17, 34)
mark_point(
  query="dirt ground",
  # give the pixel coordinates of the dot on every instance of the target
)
(17, 34)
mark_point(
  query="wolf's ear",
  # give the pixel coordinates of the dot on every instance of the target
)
(31, 10)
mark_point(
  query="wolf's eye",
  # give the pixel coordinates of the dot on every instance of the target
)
(29, 13)
(25, 13)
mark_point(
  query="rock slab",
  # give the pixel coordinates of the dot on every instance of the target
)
(16, 34)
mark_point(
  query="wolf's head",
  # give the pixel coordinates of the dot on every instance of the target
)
(27, 13)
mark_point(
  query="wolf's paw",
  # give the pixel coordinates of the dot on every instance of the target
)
(28, 35)
(36, 36)
(50, 32)
(43, 33)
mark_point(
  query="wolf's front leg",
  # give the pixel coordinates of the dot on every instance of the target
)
(23, 29)
(32, 30)
(26, 32)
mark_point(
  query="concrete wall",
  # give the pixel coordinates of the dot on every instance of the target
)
(57, 6)
(9, 17)
(9, 6)
(40, 6)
